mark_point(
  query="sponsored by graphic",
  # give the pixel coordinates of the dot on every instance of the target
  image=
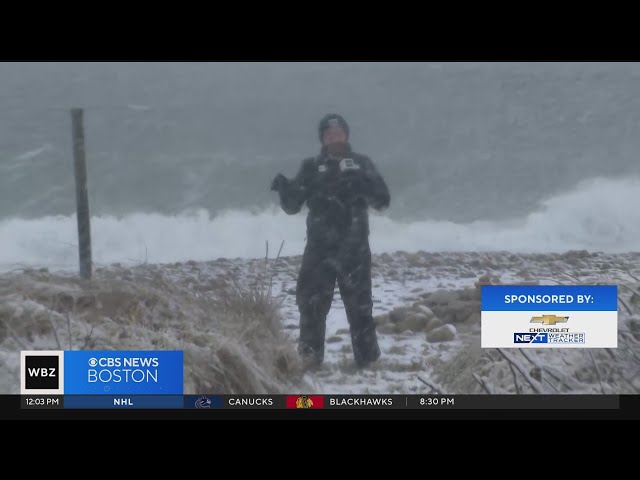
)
(555, 316)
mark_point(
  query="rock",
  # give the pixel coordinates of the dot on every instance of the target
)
(571, 254)
(334, 339)
(387, 328)
(423, 309)
(457, 312)
(474, 263)
(433, 323)
(441, 297)
(474, 318)
(343, 331)
(414, 322)
(414, 260)
(483, 280)
(470, 294)
(442, 334)
(399, 314)
(575, 262)
(524, 273)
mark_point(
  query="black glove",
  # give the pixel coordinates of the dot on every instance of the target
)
(279, 182)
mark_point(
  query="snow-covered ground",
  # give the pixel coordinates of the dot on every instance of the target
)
(409, 360)
(165, 306)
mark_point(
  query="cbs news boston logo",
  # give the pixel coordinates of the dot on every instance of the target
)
(101, 372)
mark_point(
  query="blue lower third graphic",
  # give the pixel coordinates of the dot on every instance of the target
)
(123, 401)
(530, 338)
(123, 372)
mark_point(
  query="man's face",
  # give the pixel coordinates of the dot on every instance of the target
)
(333, 135)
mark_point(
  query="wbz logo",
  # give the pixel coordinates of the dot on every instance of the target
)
(41, 372)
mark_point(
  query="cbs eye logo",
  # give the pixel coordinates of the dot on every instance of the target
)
(93, 362)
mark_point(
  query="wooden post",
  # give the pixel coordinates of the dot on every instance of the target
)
(82, 195)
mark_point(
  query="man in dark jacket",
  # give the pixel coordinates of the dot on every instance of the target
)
(338, 186)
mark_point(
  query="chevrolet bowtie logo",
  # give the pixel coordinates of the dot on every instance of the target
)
(549, 319)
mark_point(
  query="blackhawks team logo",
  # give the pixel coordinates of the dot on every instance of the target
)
(304, 402)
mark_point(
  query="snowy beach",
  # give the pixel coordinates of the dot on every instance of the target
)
(237, 322)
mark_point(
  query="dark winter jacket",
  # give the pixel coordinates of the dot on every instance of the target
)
(338, 191)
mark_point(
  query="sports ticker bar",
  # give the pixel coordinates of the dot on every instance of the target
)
(302, 402)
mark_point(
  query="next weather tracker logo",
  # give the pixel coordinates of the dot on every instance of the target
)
(42, 372)
(555, 338)
(551, 334)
